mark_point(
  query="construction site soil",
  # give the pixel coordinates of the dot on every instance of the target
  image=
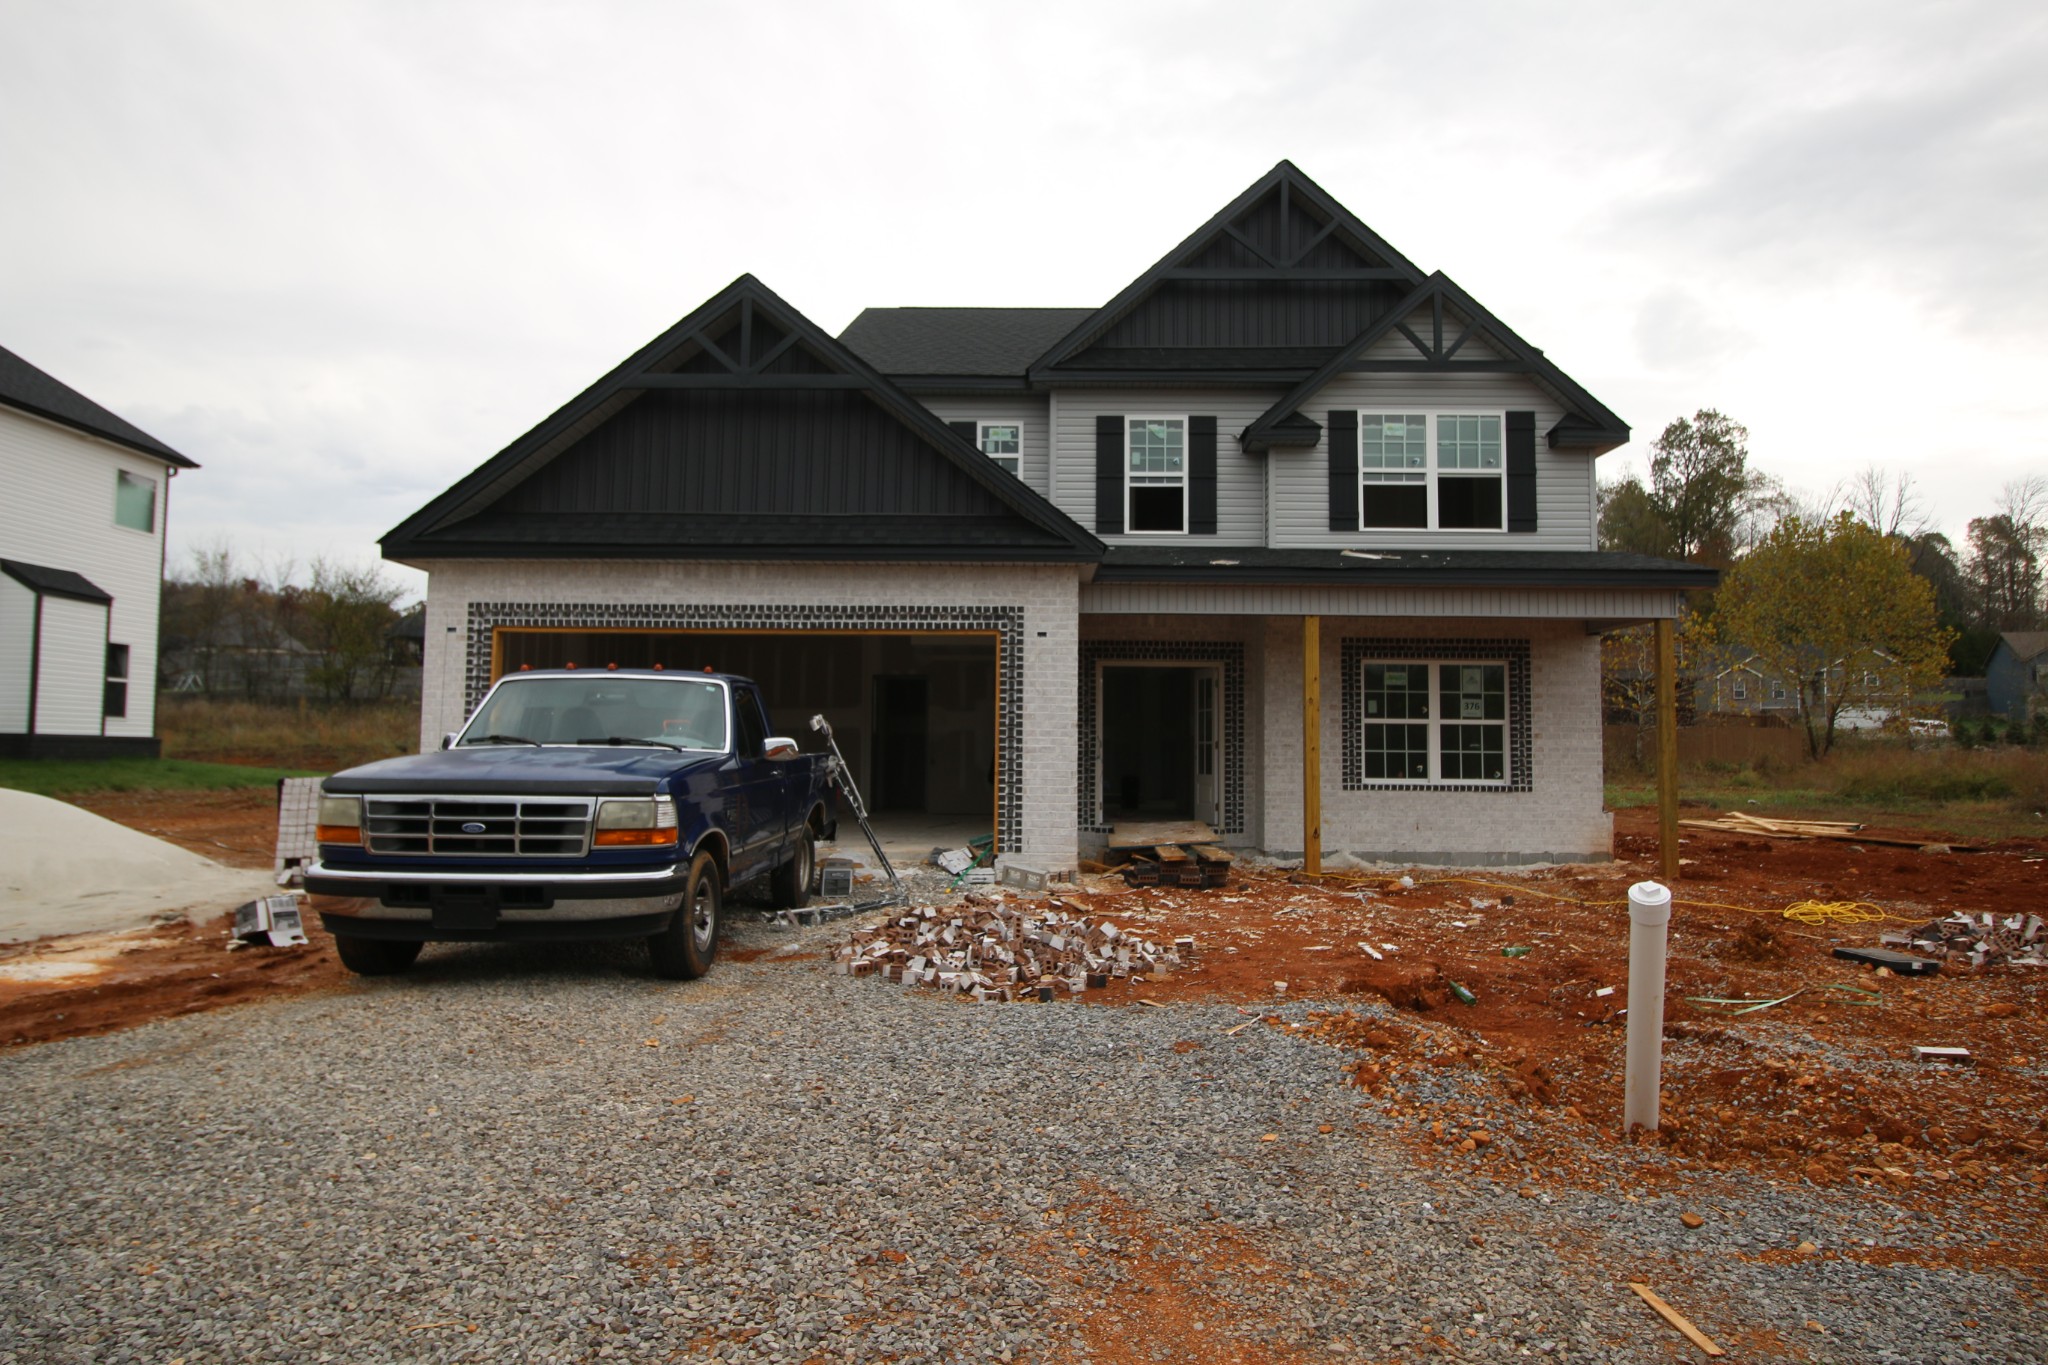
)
(1822, 1088)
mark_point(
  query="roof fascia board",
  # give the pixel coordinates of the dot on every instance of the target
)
(1409, 577)
(415, 553)
(161, 454)
(1219, 225)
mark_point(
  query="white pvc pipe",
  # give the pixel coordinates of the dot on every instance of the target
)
(1649, 914)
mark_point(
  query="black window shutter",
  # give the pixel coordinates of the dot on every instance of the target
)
(1522, 471)
(1202, 476)
(1109, 474)
(1343, 470)
(970, 430)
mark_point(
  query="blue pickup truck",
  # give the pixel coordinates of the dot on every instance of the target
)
(575, 804)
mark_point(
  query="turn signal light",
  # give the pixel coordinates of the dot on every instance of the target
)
(338, 834)
(635, 838)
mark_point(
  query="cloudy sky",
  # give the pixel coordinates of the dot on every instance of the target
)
(341, 253)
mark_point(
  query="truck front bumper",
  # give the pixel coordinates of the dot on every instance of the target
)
(477, 905)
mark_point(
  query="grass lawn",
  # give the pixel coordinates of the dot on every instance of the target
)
(57, 777)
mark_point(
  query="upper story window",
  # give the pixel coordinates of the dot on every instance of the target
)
(1002, 442)
(1156, 474)
(1442, 471)
(134, 501)
(1742, 689)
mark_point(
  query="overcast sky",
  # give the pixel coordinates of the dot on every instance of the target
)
(340, 254)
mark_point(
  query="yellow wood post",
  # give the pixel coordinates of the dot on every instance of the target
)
(1667, 748)
(1312, 743)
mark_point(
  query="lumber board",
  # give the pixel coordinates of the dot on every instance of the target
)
(1676, 1319)
(1170, 853)
(1859, 836)
(1150, 834)
(1207, 853)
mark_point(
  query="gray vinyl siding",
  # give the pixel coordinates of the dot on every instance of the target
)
(1564, 479)
(17, 647)
(1034, 466)
(1240, 478)
(1225, 599)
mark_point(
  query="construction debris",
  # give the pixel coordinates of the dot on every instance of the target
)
(1736, 822)
(1172, 865)
(1676, 1319)
(1955, 1056)
(1978, 941)
(272, 922)
(1899, 964)
(993, 953)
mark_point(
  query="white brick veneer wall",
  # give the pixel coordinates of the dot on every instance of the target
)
(1048, 597)
(1561, 819)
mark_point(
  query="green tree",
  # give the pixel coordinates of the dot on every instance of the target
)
(346, 618)
(2003, 567)
(1835, 608)
(1703, 502)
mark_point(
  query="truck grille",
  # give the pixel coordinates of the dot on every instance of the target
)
(478, 826)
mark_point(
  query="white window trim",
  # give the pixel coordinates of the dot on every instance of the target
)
(1435, 723)
(1129, 420)
(1431, 471)
(981, 442)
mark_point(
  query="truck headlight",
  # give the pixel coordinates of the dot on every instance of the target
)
(638, 822)
(340, 821)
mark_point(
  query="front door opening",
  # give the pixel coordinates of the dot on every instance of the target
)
(1160, 747)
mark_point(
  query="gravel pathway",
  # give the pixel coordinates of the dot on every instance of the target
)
(547, 1155)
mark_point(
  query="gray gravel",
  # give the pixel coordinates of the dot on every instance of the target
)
(485, 1161)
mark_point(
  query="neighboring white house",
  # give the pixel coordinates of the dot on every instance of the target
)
(81, 570)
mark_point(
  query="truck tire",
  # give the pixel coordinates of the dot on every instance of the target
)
(790, 885)
(376, 956)
(684, 951)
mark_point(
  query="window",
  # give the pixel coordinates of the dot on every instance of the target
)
(134, 501)
(1777, 691)
(1156, 474)
(115, 701)
(1742, 689)
(1435, 722)
(1441, 470)
(1002, 442)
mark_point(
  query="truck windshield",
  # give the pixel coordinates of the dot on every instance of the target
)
(602, 709)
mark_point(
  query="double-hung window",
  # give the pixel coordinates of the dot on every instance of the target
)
(1432, 470)
(1435, 722)
(114, 701)
(1002, 442)
(1156, 474)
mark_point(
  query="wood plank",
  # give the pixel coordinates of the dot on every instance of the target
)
(1667, 747)
(1312, 744)
(1150, 834)
(1208, 853)
(1170, 853)
(1676, 1319)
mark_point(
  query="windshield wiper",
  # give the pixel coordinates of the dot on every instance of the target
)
(503, 739)
(623, 739)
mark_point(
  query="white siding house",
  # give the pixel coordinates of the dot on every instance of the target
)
(81, 570)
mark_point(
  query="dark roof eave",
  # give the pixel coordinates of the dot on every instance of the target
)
(159, 451)
(1379, 576)
(413, 551)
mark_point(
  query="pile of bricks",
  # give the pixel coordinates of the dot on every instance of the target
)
(1172, 865)
(1978, 940)
(994, 954)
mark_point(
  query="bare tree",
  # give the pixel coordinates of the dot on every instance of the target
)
(1887, 503)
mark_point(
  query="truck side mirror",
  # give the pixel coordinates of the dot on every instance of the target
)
(448, 740)
(778, 746)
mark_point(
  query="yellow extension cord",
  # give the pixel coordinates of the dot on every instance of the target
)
(1803, 912)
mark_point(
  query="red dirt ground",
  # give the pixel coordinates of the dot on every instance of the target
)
(1805, 1091)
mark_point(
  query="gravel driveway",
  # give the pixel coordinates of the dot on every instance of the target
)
(526, 1154)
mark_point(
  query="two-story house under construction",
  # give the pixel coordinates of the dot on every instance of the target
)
(1290, 537)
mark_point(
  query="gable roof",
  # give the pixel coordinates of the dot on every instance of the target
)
(54, 582)
(24, 386)
(1587, 423)
(2025, 644)
(1283, 252)
(742, 432)
(985, 342)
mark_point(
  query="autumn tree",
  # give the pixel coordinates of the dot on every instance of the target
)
(347, 615)
(1702, 502)
(1835, 608)
(2003, 567)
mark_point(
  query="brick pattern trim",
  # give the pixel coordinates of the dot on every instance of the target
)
(1356, 651)
(1230, 654)
(1007, 621)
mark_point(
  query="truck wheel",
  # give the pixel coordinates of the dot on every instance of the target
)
(376, 956)
(790, 884)
(684, 950)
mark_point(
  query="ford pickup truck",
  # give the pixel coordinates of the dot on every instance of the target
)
(575, 804)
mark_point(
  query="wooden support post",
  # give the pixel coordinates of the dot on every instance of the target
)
(1312, 743)
(1667, 748)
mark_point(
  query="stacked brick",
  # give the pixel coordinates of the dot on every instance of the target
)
(1978, 941)
(992, 953)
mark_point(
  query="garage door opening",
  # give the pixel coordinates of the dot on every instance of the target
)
(1161, 750)
(915, 713)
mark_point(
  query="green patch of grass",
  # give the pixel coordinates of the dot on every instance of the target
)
(58, 777)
